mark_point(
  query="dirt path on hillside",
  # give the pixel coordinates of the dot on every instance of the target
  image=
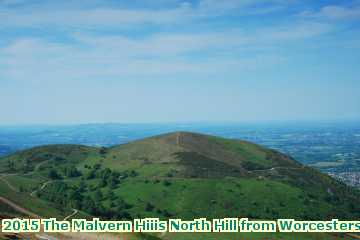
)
(78, 236)
(45, 236)
(275, 168)
(2, 178)
(75, 211)
(32, 194)
(178, 139)
(19, 208)
(353, 235)
(39, 165)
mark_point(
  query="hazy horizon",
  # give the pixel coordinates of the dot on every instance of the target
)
(224, 122)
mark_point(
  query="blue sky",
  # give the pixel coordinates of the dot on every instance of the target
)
(172, 60)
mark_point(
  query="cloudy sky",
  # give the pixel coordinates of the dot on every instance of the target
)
(81, 61)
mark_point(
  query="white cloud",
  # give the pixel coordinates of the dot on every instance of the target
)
(46, 64)
(297, 31)
(243, 7)
(117, 56)
(337, 12)
(90, 18)
(220, 6)
(11, 2)
(165, 45)
(91, 55)
(334, 13)
(98, 16)
(179, 44)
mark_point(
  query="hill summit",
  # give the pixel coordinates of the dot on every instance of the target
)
(204, 155)
(180, 174)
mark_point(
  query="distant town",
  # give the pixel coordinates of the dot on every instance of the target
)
(350, 178)
(333, 148)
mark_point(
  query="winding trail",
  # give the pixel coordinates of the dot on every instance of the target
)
(32, 194)
(18, 208)
(36, 168)
(75, 211)
(45, 236)
(274, 168)
(353, 235)
(2, 178)
(178, 139)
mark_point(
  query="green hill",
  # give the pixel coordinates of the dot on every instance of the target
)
(183, 175)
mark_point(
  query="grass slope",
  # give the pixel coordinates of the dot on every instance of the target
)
(179, 174)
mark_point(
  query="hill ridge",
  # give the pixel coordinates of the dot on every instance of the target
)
(147, 177)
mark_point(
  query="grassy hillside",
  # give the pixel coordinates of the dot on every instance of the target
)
(180, 174)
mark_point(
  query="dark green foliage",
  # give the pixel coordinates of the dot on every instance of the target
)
(110, 195)
(89, 205)
(105, 173)
(124, 215)
(201, 166)
(250, 166)
(167, 183)
(59, 159)
(133, 173)
(143, 236)
(53, 174)
(82, 187)
(11, 165)
(91, 174)
(97, 166)
(122, 205)
(103, 150)
(149, 207)
(71, 172)
(212, 177)
(166, 213)
(98, 196)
